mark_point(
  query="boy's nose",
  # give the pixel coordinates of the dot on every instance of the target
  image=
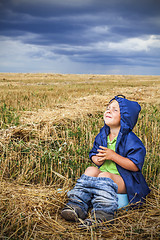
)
(108, 110)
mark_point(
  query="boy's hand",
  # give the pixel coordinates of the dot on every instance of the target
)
(104, 154)
(108, 154)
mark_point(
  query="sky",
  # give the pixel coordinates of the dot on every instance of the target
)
(80, 36)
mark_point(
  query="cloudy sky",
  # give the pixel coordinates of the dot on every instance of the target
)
(80, 36)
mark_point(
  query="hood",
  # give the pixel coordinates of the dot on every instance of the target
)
(129, 111)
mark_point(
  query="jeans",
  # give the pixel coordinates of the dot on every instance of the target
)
(100, 193)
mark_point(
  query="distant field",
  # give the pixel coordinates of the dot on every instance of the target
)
(48, 123)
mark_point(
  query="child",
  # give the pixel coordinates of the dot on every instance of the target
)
(119, 156)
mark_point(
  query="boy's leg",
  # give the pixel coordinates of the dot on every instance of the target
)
(104, 201)
(92, 171)
(105, 196)
(79, 199)
(117, 179)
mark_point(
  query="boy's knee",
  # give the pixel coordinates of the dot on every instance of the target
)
(105, 174)
(92, 171)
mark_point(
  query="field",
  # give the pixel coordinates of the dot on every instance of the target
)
(48, 123)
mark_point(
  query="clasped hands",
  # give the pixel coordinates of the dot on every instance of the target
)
(104, 154)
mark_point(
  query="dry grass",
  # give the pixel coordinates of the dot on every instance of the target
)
(59, 116)
(50, 91)
(33, 212)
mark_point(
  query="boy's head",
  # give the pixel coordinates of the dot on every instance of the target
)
(128, 112)
(112, 115)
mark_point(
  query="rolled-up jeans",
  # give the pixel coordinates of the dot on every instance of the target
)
(100, 193)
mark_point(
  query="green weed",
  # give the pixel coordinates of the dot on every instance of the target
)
(8, 116)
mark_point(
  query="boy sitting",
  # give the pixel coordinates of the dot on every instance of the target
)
(119, 156)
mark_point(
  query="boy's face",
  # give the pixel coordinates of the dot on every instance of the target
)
(112, 115)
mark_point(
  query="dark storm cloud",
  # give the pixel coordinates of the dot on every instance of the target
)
(93, 31)
(122, 16)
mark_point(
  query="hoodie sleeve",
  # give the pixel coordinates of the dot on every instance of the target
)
(96, 145)
(99, 141)
(135, 150)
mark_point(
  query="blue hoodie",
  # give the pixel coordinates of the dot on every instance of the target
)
(128, 145)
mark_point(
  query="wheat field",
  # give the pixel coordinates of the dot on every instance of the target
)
(48, 123)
